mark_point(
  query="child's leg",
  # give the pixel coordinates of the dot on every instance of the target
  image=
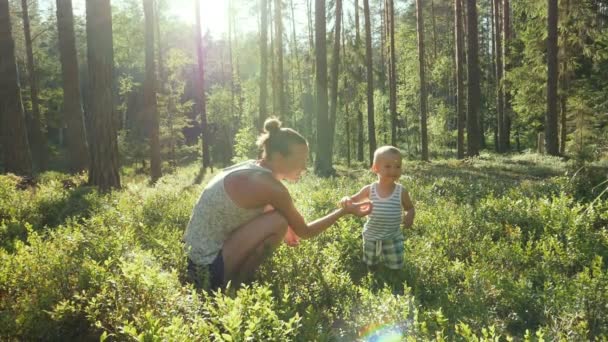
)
(393, 253)
(370, 256)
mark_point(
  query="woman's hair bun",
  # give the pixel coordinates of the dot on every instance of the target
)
(272, 125)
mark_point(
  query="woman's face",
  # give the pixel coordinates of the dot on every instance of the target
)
(294, 164)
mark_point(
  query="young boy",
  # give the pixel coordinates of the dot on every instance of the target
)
(382, 236)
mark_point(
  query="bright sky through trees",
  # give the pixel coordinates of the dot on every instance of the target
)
(214, 14)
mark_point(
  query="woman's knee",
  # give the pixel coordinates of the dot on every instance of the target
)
(279, 222)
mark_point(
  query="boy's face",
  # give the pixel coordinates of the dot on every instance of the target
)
(388, 166)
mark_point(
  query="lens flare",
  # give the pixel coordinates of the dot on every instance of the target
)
(384, 332)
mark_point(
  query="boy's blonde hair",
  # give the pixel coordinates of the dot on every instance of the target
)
(386, 149)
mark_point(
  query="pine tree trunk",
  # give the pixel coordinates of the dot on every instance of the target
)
(263, 64)
(278, 25)
(508, 112)
(551, 142)
(564, 87)
(434, 31)
(13, 131)
(392, 72)
(295, 52)
(72, 107)
(473, 133)
(423, 95)
(371, 127)
(322, 162)
(460, 100)
(104, 166)
(200, 92)
(360, 135)
(150, 105)
(499, 72)
(333, 105)
(38, 141)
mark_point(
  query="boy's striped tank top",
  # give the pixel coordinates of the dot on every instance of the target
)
(384, 222)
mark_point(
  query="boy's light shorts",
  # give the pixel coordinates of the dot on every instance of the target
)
(391, 251)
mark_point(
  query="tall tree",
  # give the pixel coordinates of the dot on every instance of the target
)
(508, 112)
(278, 25)
(359, 112)
(423, 127)
(13, 131)
(564, 80)
(150, 105)
(295, 50)
(499, 82)
(333, 90)
(263, 63)
(551, 138)
(72, 107)
(103, 169)
(473, 133)
(371, 126)
(38, 142)
(323, 161)
(200, 87)
(460, 100)
(392, 70)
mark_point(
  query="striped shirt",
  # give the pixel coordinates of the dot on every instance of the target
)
(384, 222)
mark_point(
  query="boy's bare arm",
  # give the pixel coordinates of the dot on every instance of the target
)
(408, 206)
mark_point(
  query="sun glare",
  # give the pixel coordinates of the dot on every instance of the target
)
(214, 16)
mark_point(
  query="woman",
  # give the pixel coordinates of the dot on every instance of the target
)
(246, 211)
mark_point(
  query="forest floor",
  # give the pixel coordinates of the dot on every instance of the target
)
(502, 246)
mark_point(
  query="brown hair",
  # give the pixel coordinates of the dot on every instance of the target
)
(277, 139)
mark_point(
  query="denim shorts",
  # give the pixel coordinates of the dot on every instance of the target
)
(207, 276)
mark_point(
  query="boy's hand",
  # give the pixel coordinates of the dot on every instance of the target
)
(291, 239)
(345, 201)
(359, 209)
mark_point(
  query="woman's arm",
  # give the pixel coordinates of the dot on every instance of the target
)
(281, 200)
(260, 189)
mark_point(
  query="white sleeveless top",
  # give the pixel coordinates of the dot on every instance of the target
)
(215, 216)
(384, 222)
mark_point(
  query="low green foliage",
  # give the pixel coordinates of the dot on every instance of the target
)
(502, 248)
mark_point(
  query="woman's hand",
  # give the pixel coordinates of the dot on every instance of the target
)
(359, 209)
(291, 239)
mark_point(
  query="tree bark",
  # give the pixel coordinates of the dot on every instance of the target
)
(104, 166)
(551, 142)
(295, 51)
(371, 127)
(460, 100)
(564, 80)
(499, 81)
(200, 92)
(13, 131)
(508, 112)
(392, 72)
(360, 135)
(423, 101)
(38, 141)
(72, 107)
(278, 25)
(473, 133)
(263, 64)
(333, 105)
(150, 105)
(323, 161)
